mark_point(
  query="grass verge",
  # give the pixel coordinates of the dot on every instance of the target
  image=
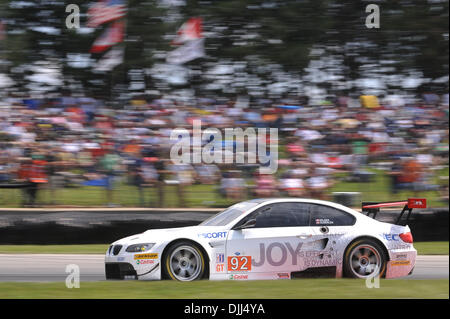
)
(432, 247)
(286, 289)
(206, 195)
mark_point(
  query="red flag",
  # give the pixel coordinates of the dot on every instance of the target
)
(111, 36)
(104, 11)
(190, 30)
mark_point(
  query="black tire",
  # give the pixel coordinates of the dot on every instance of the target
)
(362, 256)
(184, 261)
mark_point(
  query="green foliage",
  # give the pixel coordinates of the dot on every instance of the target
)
(413, 36)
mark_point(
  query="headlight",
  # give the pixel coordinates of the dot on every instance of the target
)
(139, 248)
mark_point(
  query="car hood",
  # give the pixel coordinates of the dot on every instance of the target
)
(165, 234)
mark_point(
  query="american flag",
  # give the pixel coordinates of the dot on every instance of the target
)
(104, 11)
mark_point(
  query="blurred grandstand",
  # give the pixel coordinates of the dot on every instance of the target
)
(75, 150)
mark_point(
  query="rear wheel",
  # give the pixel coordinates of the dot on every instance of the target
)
(184, 261)
(364, 259)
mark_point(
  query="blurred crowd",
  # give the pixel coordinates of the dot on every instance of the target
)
(74, 141)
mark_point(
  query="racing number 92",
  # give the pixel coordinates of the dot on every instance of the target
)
(239, 263)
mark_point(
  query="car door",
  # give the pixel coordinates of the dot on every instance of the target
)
(330, 228)
(272, 243)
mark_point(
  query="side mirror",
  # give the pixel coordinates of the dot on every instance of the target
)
(248, 224)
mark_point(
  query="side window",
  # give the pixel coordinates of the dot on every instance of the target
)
(322, 215)
(282, 215)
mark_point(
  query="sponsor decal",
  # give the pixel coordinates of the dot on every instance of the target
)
(145, 261)
(324, 221)
(221, 234)
(239, 263)
(220, 258)
(237, 253)
(220, 267)
(120, 258)
(321, 262)
(417, 203)
(401, 256)
(238, 277)
(277, 254)
(283, 276)
(391, 237)
(146, 256)
(400, 263)
(315, 254)
(400, 246)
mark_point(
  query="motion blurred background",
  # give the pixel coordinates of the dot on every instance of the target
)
(86, 113)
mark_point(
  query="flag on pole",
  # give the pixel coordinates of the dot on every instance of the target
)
(105, 11)
(190, 30)
(2, 31)
(111, 36)
(190, 51)
(110, 60)
(191, 38)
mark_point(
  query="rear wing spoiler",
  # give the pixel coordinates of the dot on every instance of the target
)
(408, 205)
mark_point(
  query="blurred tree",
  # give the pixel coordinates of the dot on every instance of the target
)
(267, 39)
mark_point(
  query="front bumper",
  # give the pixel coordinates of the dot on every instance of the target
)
(120, 271)
(120, 265)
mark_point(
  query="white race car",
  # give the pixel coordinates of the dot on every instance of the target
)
(271, 239)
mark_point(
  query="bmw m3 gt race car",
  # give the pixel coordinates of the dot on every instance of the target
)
(271, 239)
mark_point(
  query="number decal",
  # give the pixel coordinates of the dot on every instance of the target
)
(244, 264)
(239, 263)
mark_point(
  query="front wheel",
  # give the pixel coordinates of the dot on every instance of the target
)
(184, 261)
(364, 259)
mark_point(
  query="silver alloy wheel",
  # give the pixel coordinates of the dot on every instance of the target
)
(185, 263)
(365, 261)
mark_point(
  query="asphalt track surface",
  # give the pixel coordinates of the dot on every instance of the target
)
(52, 267)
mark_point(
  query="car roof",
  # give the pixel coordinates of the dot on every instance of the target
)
(291, 199)
(261, 201)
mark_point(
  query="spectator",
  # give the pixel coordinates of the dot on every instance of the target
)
(335, 138)
(318, 184)
(233, 186)
(183, 176)
(292, 184)
(395, 175)
(33, 173)
(109, 164)
(266, 186)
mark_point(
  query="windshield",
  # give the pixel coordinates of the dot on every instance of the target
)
(230, 214)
